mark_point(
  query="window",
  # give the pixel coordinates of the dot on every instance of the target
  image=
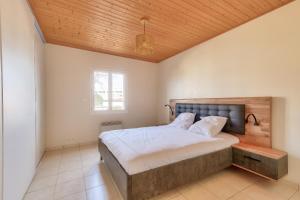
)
(108, 91)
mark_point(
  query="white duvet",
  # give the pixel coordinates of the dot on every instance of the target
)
(141, 149)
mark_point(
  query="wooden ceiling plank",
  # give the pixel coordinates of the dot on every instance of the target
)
(166, 15)
(265, 5)
(190, 22)
(232, 10)
(72, 45)
(214, 14)
(153, 22)
(110, 26)
(103, 32)
(140, 25)
(215, 10)
(243, 8)
(198, 16)
(256, 6)
(115, 42)
(100, 39)
(274, 3)
(116, 28)
(79, 41)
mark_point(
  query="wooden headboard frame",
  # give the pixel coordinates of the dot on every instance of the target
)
(261, 107)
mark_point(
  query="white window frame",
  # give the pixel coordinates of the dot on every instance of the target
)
(109, 110)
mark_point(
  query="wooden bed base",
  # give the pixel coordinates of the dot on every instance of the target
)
(156, 181)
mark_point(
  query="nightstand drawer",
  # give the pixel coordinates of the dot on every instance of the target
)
(266, 166)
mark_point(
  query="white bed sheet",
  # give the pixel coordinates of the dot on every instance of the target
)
(142, 149)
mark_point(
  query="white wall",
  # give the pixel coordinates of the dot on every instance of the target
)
(40, 132)
(18, 39)
(260, 58)
(69, 117)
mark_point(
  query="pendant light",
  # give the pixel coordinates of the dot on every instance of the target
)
(144, 42)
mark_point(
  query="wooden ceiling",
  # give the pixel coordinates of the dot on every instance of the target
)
(110, 26)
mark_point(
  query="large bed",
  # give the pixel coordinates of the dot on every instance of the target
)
(145, 162)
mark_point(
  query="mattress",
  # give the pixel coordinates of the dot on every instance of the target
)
(142, 149)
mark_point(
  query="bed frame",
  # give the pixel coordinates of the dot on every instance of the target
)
(156, 181)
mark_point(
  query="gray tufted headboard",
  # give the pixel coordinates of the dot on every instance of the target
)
(234, 113)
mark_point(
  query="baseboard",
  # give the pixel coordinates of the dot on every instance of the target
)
(61, 147)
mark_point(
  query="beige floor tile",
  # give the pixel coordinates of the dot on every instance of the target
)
(52, 157)
(77, 196)
(266, 190)
(70, 150)
(86, 151)
(167, 195)
(49, 163)
(281, 189)
(53, 153)
(70, 165)
(296, 196)
(43, 194)
(95, 169)
(68, 188)
(77, 174)
(288, 184)
(70, 158)
(69, 175)
(245, 196)
(89, 147)
(89, 151)
(87, 156)
(228, 182)
(179, 198)
(67, 153)
(96, 180)
(41, 183)
(196, 191)
(242, 176)
(91, 161)
(45, 172)
(103, 192)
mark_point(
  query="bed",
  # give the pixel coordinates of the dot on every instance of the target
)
(146, 162)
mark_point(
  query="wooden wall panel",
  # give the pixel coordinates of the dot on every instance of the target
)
(261, 107)
(110, 26)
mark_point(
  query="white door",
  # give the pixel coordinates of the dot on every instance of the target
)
(18, 98)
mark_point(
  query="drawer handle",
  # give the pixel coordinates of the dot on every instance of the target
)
(250, 158)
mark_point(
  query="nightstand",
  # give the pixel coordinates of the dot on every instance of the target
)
(266, 162)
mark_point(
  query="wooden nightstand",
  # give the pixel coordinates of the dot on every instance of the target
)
(266, 162)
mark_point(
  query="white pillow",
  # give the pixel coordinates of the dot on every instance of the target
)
(184, 120)
(209, 126)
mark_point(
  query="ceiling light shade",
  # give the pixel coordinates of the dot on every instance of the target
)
(144, 42)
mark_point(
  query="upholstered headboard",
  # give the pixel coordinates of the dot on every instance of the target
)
(234, 113)
(261, 107)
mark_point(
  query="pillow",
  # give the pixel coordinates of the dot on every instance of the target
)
(184, 120)
(209, 126)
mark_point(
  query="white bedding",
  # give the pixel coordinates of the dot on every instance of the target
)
(142, 149)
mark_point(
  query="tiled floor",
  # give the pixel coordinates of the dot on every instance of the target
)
(77, 174)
